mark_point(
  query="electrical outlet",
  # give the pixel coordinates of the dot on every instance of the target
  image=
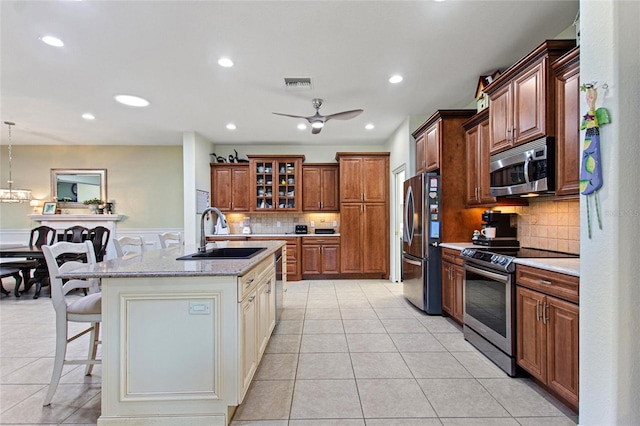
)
(335, 223)
(278, 224)
(313, 224)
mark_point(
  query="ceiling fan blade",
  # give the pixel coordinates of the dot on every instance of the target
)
(345, 115)
(294, 116)
(315, 130)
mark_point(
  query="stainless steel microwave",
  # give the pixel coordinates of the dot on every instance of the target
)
(524, 169)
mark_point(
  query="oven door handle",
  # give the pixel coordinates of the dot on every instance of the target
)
(498, 277)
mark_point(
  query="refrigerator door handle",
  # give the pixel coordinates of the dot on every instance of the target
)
(408, 216)
(412, 262)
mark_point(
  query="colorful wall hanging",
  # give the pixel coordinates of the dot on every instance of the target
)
(591, 168)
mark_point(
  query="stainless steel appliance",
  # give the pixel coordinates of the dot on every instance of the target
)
(489, 300)
(506, 225)
(421, 279)
(524, 169)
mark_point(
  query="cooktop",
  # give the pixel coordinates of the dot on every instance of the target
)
(502, 258)
(529, 252)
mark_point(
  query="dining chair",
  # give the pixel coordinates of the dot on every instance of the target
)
(127, 244)
(170, 239)
(75, 234)
(86, 309)
(100, 238)
(41, 235)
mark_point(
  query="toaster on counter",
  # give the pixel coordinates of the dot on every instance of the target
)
(302, 229)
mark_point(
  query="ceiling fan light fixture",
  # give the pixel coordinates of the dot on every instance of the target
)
(52, 41)
(317, 124)
(225, 62)
(130, 100)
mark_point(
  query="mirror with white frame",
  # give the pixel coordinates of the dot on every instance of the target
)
(72, 187)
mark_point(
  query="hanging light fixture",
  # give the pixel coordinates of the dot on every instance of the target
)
(13, 195)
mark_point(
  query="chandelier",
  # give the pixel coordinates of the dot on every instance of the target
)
(13, 195)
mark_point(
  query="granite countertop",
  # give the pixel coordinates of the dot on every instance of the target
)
(285, 234)
(569, 266)
(163, 263)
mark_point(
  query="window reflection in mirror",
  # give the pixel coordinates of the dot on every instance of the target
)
(72, 187)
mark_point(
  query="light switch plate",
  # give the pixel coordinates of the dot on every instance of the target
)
(199, 308)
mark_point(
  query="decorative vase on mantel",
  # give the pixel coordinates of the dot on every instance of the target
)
(94, 205)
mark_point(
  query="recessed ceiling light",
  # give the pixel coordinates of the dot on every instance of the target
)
(52, 41)
(369, 126)
(231, 126)
(395, 79)
(225, 62)
(302, 126)
(131, 100)
(88, 116)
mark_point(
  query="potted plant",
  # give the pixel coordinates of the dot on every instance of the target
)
(94, 204)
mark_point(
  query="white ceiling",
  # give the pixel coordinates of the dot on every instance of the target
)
(167, 52)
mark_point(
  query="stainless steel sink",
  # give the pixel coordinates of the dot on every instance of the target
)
(225, 253)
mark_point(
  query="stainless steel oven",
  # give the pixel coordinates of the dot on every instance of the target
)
(489, 314)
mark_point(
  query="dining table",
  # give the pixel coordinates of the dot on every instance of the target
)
(29, 252)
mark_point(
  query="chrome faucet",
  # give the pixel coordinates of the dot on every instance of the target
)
(223, 222)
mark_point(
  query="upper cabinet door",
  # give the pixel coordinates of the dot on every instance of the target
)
(432, 147)
(529, 104)
(421, 159)
(375, 179)
(230, 187)
(320, 187)
(351, 190)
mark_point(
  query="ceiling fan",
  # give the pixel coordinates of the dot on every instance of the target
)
(317, 121)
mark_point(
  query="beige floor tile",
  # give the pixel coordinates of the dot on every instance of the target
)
(437, 324)
(379, 366)
(314, 366)
(405, 325)
(9, 365)
(284, 343)
(358, 313)
(328, 422)
(461, 398)
(487, 421)
(87, 414)
(13, 394)
(326, 399)
(394, 313)
(266, 400)
(320, 313)
(358, 326)
(454, 342)
(546, 421)
(420, 342)
(393, 398)
(277, 367)
(260, 423)
(370, 343)
(289, 327)
(323, 343)
(478, 365)
(519, 399)
(404, 422)
(429, 365)
(293, 314)
(323, 326)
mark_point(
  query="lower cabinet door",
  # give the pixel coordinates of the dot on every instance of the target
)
(249, 357)
(531, 333)
(563, 348)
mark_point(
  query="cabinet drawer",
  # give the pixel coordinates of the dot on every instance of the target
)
(452, 255)
(248, 281)
(564, 286)
(320, 240)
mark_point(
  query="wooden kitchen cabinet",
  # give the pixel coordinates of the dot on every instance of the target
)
(275, 183)
(364, 213)
(444, 126)
(320, 187)
(453, 285)
(293, 255)
(230, 186)
(548, 330)
(320, 256)
(522, 99)
(478, 177)
(567, 81)
(361, 178)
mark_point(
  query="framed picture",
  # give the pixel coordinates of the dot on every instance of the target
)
(49, 208)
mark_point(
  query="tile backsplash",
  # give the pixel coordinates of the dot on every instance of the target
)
(268, 223)
(550, 225)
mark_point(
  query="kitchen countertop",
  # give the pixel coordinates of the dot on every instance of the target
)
(163, 263)
(286, 234)
(569, 266)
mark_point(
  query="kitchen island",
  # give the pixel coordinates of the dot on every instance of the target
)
(182, 339)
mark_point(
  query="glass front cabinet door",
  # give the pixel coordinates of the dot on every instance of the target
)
(276, 183)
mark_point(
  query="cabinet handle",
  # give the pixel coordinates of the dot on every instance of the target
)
(513, 134)
(269, 291)
(362, 196)
(508, 135)
(545, 313)
(319, 205)
(321, 241)
(545, 282)
(537, 310)
(251, 298)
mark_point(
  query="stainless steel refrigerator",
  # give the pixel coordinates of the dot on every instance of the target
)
(421, 273)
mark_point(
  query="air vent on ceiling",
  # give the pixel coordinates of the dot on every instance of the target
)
(297, 83)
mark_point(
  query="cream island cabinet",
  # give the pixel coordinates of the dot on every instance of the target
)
(181, 340)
